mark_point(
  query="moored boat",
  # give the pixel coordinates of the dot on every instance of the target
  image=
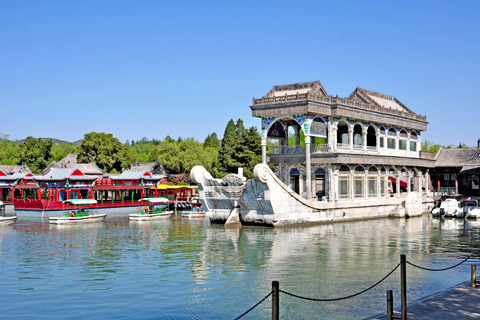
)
(83, 211)
(471, 208)
(194, 214)
(153, 210)
(448, 208)
(3, 219)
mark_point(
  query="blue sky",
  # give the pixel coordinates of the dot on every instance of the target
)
(184, 68)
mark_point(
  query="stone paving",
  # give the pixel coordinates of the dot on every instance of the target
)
(460, 302)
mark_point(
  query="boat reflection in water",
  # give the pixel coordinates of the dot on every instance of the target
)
(175, 268)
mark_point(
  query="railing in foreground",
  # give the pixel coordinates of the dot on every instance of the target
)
(275, 293)
(445, 191)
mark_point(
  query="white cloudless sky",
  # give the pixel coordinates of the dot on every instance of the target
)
(185, 68)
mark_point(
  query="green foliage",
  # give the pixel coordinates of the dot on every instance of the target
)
(142, 149)
(211, 141)
(8, 151)
(432, 147)
(182, 155)
(106, 151)
(35, 153)
(61, 150)
(240, 148)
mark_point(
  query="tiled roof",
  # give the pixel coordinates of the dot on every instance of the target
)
(70, 162)
(62, 174)
(15, 168)
(312, 87)
(464, 157)
(152, 167)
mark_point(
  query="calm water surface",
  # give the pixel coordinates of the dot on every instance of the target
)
(191, 269)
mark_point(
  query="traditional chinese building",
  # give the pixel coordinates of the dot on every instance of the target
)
(351, 148)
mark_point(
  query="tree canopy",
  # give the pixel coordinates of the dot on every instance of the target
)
(240, 148)
(106, 151)
(8, 151)
(35, 153)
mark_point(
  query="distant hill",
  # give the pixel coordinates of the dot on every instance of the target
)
(55, 141)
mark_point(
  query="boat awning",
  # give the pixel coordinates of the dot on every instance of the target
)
(402, 183)
(155, 200)
(80, 202)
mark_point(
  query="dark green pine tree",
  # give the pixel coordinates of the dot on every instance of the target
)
(211, 141)
(250, 151)
(226, 155)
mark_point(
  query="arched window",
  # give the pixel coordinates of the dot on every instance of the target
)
(295, 180)
(318, 127)
(320, 183)
(372, 170)
(358, 182)
(342, 133)
(413, 144)
(344, 182)
(402, 142)
(371, 137)
(276, 131)
(344, 169)
(372, 182)
(391, 141)
(357, 135)
(359, 170)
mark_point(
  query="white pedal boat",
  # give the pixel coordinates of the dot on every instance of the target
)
(87, 214)
(4, 221)
(154, 210)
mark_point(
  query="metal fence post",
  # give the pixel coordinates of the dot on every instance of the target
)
(474, 276)
(389, 304)
(275, 300)
(403, 280)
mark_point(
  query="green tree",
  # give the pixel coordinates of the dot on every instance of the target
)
(226, 155)
(142, 149)
(249, 151)
(240, 148)
(60, 151)
(35, 153)
(106, 151)
(180, 156)
(8, 151)
(212, 141)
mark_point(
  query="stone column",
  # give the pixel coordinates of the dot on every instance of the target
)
(308, 167)
(427, 187)
(329, 183)
(364, 140)
(397, 185)
(420, 183)
(264, 150)
(333, 138)
(409, 181)
(297, 136)
(350, 137)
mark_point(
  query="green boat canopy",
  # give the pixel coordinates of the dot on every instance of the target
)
(80, 202)
(155, 200)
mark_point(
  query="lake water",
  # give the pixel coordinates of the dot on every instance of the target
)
(191, 269)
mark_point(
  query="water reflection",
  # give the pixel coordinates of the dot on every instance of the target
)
(181, 268)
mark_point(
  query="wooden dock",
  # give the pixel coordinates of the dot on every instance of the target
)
(458, 302)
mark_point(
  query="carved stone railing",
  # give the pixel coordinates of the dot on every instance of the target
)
(336, 100)
(320, 148)
(287, 150)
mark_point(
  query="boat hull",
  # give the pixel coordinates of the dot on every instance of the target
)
(72, 220)
(149, 217)
(193, 215)
(265, 200)
(5, 221)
